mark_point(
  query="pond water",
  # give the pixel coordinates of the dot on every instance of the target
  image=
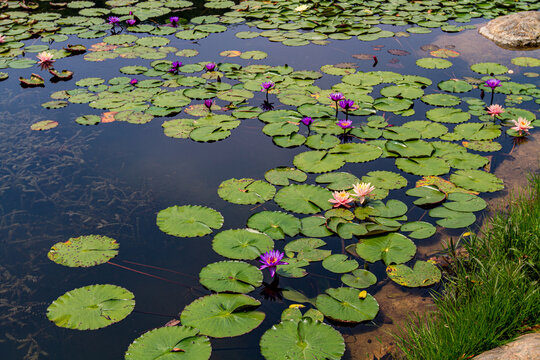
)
(113, 178)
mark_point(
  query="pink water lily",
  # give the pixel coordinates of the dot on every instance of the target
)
(495, 110)
(341, 198)
(362, 190)
(45, 58)
(271, 260)
(2, 39)
(522, 125)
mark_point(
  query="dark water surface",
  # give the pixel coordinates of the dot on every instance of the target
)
(112, 179)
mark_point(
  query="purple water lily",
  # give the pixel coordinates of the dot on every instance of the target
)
(174, 21)
(266, 86)
(307, 121)
(270, 260)
(347, 104)
(336, 96)
(175, 67)
(133, 82)
(208, 103)
(210, 66)
(345, 124)
(131, 22)
(113, 20)
(492, 83)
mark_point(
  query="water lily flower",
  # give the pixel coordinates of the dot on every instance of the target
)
(131, 22)
(345, 124)
(495, 110)
(174, 21)
(307, 121)
(336, 96)
(522, 125)
(270, 260)
(208, 103)
(301, 8)
(362, 190)
(210, 66)
(347, 104)
(267, 85)
(113, 20)
(493, 83)
(133, 81)
(175, 66)
(45, 59)
(341, 198)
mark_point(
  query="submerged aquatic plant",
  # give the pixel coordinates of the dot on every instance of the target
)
(522, 126)
(362, 190)
(45, 59)
(341, 198)
(270, 260)
(495, 110)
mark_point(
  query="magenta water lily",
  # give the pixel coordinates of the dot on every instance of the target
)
(266, 86)
(113, 20)
(307, 121)
(210, 66)
(347, 104)
(133, 82)
(336, 96)
(208, 103)
(174, 21)
(345, 124)
(270, 260)
(131, 22)
(492, 83)
(175, 67)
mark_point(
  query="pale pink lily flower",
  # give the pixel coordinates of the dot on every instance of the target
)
(521, 125)
(362, 190)
(2, 39)
(495, 110)
(45, 58)
(341, 198)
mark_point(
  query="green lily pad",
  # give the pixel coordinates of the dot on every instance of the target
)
(189, 220)
(338, 180)
(173, 342)
(427, 129)
(339, 263)
(303, 199)
(343, 304)
(385, 179)
(357, 153)
(307, 249)
(455, 85)
(465, 160)
(526, 61)
(418, 229)
(427, 195)
(441, 99)
(302, 339)
(452, 219)
(88, 120)
(392, 248)
(402, 91)
(223, 315)
(119, 39)
(489, 68)
(359, 279)
(91, 307)
(231, 276)
(44, 125)
(322, 141)
(411, 148)
(282, 175)
(478, 131)
(477, 180)
(318, 161)
(448, 115)
(433, 63)
(275, 224)
(315, 226)
(246, 191)
(464, 202)
(84, 251)
(482, 145)
(423, 274)
(242, 244)
(294, 269)
(392, 104)
(400, 133)
(423, 166)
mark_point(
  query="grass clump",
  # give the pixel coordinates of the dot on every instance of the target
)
(492, 291)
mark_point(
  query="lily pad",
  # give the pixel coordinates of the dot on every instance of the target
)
(223, 315)
(91, 307)
(275, 224)
(423, 166)
(427, 195)
(433, 63)
(84, 251)
(343, 304)
(448, 115)
(338, 180)
(411, 148)
(357, 153)
(44, 125)
(392, 248)
(419, 229)
(282, 175)
(477, 180)
(359, 279)
(242, 244)
(189, 220)
(526, 61)
(231, 276)
(307, 249)
(302, 339)
(173, 342)
(303, 199)
(423, 274)
(452, 219)
(464, 202)
(489, 68)
(385, 179)
(246, 191)
(318, 161)
(339, 263)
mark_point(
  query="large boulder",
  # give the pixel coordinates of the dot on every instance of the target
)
(515, 31)
(526, 347)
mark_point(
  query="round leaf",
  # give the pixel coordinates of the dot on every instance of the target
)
(189, 220)
(84, 251)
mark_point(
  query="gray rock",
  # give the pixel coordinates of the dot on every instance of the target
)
(514, 31)
(526, 347)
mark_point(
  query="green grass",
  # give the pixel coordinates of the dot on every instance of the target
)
(492, 291)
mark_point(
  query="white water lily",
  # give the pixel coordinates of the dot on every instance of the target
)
(301, 8)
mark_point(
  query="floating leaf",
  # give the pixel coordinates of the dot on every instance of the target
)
(391, 248)
(477, 180)
(488, 146)
(411, 148)
(84, 251)
(385, 180)
(242, 244)
(294, 269)
(441, 99)
(339, 263)
(489, 68)
(189, 220)
(343, 304)
(526, 61)
(318, 161)
(452, 219)
(464, 202)
(357, 153)
(44, 125)
(173, 342)
(275, 224)
(223, 315)
(282, 175)
(315, 226)
(423, 166)
(91, 307)
(307, 249)
(419, 229)
(303, 199)
(444, 53)
(431, 63)
(423, 274)
(427, 129)
(455, 85)
(359, 279)
(465, 160)
(448, 115)
(338, 180)
(428, 195)
(231, 276)
(302, 339)
(246, 191)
